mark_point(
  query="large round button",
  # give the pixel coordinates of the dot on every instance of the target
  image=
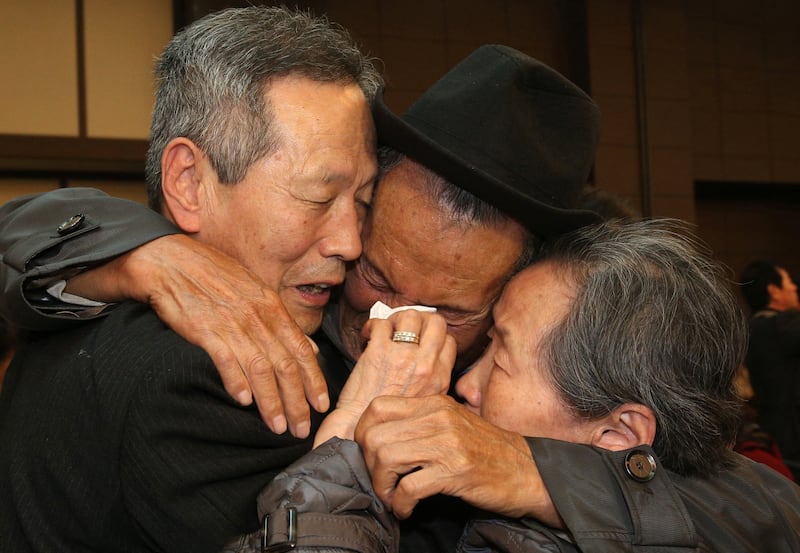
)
(71, 225)
(640, 465)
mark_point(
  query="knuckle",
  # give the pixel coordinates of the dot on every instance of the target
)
(408, 487)
(296, 410)
(408, 317)
(259, 367)
(285, 368)
(305, 351)
(367, 438)
(381, 456)
(438, 322)
(269, 409)
(223, 357)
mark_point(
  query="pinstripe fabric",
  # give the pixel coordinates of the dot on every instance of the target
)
(119, 436)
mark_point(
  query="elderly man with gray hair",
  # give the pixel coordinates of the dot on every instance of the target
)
(118, 435)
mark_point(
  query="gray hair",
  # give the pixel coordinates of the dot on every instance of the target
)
(654, 322)
(213, 75)
(458, 205)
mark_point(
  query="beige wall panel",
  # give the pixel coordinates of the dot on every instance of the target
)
(613, 71)
(679, 207)
(38, 61)
(671, 172)
(786, 170)
(13, 188)
(617, 169)
(122, 41)
(744, 169)
(618, 120)
(707, 167)
(610, 23)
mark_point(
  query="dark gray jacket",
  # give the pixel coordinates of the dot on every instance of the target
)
(746, 508)
(773, 358)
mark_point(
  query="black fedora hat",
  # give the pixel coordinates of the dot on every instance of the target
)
(510, 130)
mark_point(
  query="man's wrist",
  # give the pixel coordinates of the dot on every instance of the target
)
(534, 500)
(340, 423)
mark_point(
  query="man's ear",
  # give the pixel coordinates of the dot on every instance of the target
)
(627, 426)
(182, 171)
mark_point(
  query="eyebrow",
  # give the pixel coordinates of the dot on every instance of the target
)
(379, 275)
(497, 326)
(499, 330)
(331, 177)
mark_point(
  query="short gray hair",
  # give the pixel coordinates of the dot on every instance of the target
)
(213, 75)
(654, 322)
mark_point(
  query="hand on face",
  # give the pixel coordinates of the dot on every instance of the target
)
(419, 447)
(214, 302)
(416, 252)
(395, 368)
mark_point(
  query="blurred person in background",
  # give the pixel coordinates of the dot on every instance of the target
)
(773, 356)
(751, 440)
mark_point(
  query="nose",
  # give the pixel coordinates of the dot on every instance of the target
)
(472, 383)
(343, 234)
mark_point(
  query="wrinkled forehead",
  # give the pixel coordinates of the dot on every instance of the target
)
(541, 294)
(421, 252)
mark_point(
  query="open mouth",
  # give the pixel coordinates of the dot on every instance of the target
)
(314, 288)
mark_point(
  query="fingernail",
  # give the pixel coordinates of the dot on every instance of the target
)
(301, 430)
(244, 397)
(313, 344)
(324, 402)
(279, 424)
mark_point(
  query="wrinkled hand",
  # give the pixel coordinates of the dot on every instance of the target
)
(419, 447)
(393, 368)
(212, 301)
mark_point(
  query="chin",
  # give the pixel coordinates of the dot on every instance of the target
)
(308, 320)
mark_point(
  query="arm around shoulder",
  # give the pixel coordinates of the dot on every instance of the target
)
(608, 499)
(49, 236)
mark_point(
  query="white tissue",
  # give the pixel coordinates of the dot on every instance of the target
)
(382, 311)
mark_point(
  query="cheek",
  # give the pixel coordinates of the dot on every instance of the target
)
(358, 294)
(281, 238)
(523, 406)
(503, 404)
(471, 340)
(283, 260)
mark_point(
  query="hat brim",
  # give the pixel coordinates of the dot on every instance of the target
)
(538, 217)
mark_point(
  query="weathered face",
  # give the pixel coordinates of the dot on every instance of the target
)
(414, 255)
(296, 217)
(509, 385)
